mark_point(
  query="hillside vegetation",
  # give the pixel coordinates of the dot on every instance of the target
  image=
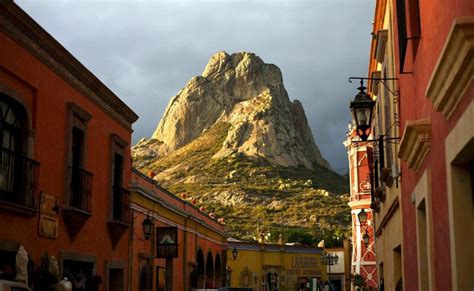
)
(250, 193)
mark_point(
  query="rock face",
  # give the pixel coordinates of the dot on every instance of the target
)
(247, 93)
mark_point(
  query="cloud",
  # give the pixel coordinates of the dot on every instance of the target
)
(146, 51)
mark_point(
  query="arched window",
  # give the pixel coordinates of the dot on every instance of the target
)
(219, 271)
(210, 271)
(201, 279)
(12, 119)
(18, 173)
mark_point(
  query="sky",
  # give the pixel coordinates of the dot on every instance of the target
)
(146, 51)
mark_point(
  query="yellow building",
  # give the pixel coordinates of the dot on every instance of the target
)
(268, 267)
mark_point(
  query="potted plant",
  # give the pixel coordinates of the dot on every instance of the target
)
(359, 282)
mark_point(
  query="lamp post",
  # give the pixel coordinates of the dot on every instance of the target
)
(329, 260)
(362, 108)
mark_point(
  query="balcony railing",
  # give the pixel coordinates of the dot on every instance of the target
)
(121, 204)
(81, 189)
(18, 179)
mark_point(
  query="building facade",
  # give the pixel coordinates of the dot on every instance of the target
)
(201, 255)
(64, 164)
(424, 228)
(271, 267)
(386, 164)
(363, 259)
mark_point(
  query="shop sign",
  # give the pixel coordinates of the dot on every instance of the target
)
(304, 266)
(166, 242)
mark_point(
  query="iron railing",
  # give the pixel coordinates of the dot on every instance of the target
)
(18, 179)
(81, 189)
(121, 204)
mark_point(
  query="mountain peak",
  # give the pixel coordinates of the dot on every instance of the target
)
(248, 94)
(221, 62)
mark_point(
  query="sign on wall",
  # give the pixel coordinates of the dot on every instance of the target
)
(166, 242)
(48, 218)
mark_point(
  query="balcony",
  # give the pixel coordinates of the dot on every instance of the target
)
(121, 207)
(18, 182)
(81, 189)
(79, 209)
(120, 214)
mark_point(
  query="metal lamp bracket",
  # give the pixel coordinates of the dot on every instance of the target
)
(396, 94)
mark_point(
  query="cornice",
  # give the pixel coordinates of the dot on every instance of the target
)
(416, 143)
(31, 36)
(455, 69)
(364, 203)
(155, 199)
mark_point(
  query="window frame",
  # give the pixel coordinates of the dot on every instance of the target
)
(409, 28)
(117, 146)
(27, 199)
(78, 118)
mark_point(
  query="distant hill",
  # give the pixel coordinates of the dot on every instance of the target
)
(234, 143)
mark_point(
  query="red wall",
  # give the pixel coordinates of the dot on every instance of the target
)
(437, 18)
(45, 94)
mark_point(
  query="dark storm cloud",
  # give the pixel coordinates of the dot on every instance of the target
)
(147, 51)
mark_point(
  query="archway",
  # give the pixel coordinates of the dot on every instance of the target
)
(200, 280)
(210, 270)
(219, 272)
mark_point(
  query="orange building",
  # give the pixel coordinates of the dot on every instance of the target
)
(200, 260)
(64, 163)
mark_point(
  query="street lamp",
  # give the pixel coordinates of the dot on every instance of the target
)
(362, 216)
(147, 226)
(366, 239)
(329, 260)
(362, 108)
(234, 253)
(363, 219)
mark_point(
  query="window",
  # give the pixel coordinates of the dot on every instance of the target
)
(117, 187)
(79, 186)
(120, 196)
(18, 173)
(161, 279)
(409, 29)
(421, 226)
(146, 275)
(424, 232)
(397, 268)
(462, 196)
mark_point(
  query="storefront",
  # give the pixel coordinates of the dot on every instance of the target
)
(271, 267)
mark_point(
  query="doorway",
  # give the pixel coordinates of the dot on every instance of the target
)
(115, 280)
